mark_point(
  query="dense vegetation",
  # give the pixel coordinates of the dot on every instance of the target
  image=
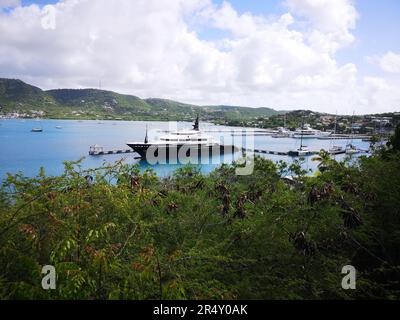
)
(17, 96)
(116, 233)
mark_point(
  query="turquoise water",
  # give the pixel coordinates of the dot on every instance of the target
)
(26, 151)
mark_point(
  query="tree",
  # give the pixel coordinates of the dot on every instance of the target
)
(325, 160)
(394, 141)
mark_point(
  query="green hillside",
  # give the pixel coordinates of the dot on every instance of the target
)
(100, 100)
(17, 97)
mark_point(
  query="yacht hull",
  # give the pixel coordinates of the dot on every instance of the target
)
(169, 151)
(298, 153)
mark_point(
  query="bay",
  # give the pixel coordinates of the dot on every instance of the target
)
(61, 140)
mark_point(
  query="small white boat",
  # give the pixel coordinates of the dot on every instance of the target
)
(336, 150)
(37, 130)
(302, 151)
(58, 127)
(282, 133)
(351, 149)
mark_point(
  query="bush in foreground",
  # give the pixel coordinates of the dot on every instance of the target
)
(116, 233)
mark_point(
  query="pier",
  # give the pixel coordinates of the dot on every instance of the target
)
(346, 137)
(279, 153)
(97, 150)
(296, 154)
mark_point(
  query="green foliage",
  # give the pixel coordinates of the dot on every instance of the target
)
(116, 233)
(394, 142)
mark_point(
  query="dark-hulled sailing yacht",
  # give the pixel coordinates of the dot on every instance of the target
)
(193, 140)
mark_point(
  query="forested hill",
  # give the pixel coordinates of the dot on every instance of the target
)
(19, 97)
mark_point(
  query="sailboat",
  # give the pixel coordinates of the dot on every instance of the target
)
(350, 147)
(336, 149)
(303, 150)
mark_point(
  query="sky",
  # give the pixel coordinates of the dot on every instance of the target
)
(325, 55)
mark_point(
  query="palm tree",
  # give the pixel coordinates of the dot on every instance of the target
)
(325, 160)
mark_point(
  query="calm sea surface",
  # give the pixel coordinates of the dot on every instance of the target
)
(26, 151)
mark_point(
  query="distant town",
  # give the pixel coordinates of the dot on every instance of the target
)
(345, 124)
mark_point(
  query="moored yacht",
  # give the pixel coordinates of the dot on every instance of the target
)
(351, 149)
(307, 132)
(303, 150)
(193, 140)
(282, 133)
(336, 150)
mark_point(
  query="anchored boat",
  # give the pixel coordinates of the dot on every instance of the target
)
(351, 149)
(336, 150)
(193, 141)
(303, 150)
(282, 133)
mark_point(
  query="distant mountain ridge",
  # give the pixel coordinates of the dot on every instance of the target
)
(19, 97)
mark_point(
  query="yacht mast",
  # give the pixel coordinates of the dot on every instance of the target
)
(352, 131)
(196, 123)
(302, 128)
(335, 122)
(146, 138)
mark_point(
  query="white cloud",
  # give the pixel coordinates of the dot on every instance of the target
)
(148, 48)
(378, 92)
(9, 3)
(390, 62)
(332, 21)
(326, 15)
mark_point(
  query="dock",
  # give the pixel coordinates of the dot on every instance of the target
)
(279, 153)
(97, 150)
(345, 137)
(296, 154)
